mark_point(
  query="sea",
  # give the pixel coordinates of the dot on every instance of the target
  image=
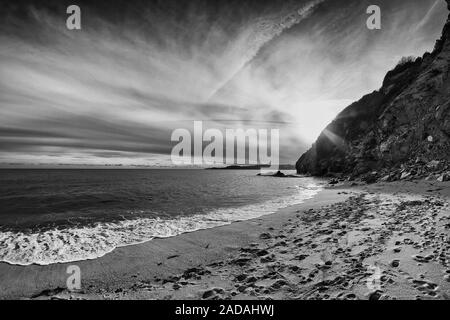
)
(62, 215)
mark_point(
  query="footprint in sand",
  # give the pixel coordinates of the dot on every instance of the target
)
(426, 287)
(213, 294)
(265, 236)
(421, 259)
(395, 263)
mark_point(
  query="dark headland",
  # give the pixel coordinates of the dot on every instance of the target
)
(401, 131)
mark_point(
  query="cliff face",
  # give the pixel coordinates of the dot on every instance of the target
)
(406, 121)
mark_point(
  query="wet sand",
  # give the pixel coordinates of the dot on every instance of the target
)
(381, 241)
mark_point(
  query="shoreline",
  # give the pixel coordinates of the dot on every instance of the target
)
(144, 229)
(155, 269)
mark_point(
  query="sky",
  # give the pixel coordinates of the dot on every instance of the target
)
(113, 92)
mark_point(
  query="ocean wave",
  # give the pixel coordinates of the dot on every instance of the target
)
(91, 242)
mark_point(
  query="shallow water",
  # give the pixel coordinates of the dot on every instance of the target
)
(50, 216)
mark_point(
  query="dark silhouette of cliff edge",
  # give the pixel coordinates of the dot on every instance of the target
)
(401, 131)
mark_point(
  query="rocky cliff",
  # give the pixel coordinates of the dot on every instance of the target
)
(399, 131)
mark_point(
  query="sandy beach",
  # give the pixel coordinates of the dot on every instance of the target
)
(379, 241)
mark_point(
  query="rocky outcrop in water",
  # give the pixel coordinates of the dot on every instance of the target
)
(399, 131)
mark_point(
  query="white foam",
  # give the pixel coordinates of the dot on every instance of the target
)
(83, 243)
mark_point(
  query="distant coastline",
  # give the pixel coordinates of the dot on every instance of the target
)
(253, 167)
